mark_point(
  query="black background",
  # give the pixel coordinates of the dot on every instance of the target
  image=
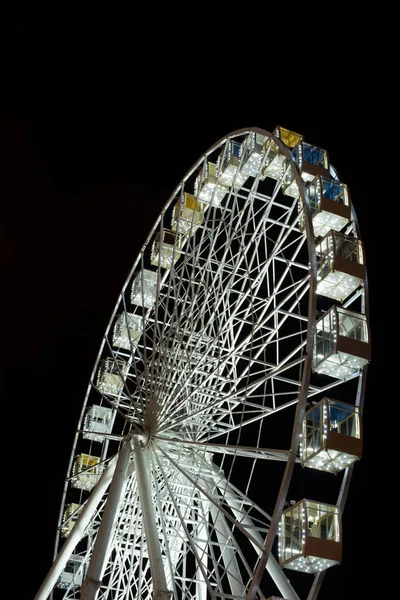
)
(105, 114)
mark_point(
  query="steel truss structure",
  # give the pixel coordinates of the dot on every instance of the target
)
(190, 430)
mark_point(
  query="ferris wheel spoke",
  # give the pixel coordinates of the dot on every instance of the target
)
(260, 274)
(203, 490)
(270, 333)
(230, 550)
(219, 402)
(329, 386)
(242, 345)
(235, 502)
(173, 532)
(267, 317)
(128, 540)
(188, 539)
(228, 543)
(229, 449)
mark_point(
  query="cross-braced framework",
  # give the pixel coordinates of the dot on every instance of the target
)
(204, 375)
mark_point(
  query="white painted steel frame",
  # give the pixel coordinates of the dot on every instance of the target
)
(226, 348)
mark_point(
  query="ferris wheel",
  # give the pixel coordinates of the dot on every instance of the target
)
(234, 362)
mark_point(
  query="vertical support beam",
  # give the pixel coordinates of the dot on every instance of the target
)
(91, 585)
(160, 591)
(224, 535)
(202, 543)
(76, 533)
(272, 566)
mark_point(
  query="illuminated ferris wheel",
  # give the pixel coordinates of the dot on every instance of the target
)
(234, 361)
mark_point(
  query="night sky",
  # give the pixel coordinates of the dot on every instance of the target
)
(110, 114)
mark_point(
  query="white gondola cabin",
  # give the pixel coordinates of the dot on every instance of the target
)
(71, 514)
(97, 423)
(166, 249)
(310, 538)
(86, 472)
(253, 151)
(73, 574)
(274, 161)
(144, 288)
(127, 331)
(341, 267)
(331, 436)
(228, 165)
(111, 376)
(208, 188)
(329, 203)
(341, 345)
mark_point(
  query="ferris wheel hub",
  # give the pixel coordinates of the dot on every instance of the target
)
(145, 437)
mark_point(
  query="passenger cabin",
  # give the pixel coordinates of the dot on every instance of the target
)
(331, 436)
(312, 161)
(341, 346)
(188, 214)
(310, 538)
(253, 151)
(71, 514)
(97, 423)
(290, 138)
(274, 161)
(341, 266)
(111, 376)
(127, 331)
(86, 472)
(208, 188)
(144, 288)
(275, 164)
(166, 249)
(329, 203)
(228, 165)
(73, 574)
